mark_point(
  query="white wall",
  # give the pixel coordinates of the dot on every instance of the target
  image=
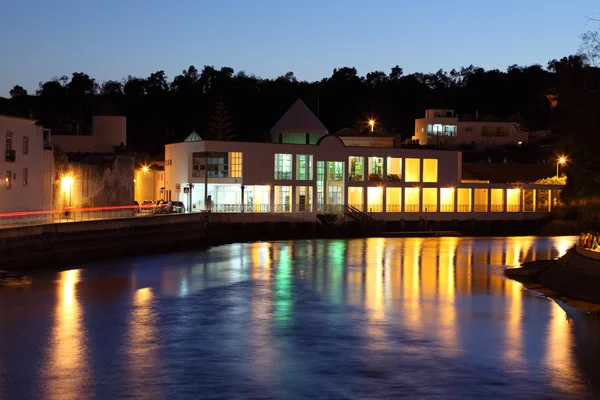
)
(34, 196)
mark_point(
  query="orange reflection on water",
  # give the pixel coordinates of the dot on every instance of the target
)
(411, 289)
(513, 350)
(261, 308)
(142, 346)
(446, 307)
(375, 293)
(66, 373)
(559, 355)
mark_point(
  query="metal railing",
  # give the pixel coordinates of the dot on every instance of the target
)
(359, 207)
(411, 208)
(331, 208)
(497, 208)
(393, 207)
(430, 208)
(303, 207)
(464, 208)
(447, 208)
(283, 175)
(481, 208)
(375, 208)
(282, 207)
(513, 208)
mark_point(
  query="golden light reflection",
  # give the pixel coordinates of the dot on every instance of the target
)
(448, 329)
(563, 244)
(375, 294)
(66, 373)
(411, 281)
(559, 356)
(143, 344)
(261, 260)
(513, 349)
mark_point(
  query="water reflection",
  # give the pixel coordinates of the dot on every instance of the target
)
(354, 318)
(66, 372)
(142, 346)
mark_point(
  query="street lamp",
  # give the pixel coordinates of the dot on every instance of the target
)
(561, 161)
(145, 168)
(372, 124)
(67, 185)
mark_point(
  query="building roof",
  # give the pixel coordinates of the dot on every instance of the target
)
(347, 132)
(299, 119)
(193, 137)
(505, 173)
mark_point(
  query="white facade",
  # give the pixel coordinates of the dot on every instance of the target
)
(108, 132)
(26, 166)
(444, 129)
(329, 177)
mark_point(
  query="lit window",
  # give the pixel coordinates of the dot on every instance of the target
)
(375, 168)
(413, 169)
(375, 199)
(282, 198)
(430, 170)
(411, 199)
(430, 199)
(8, 180)
(336, 171)
(25, 176)
(447, 199)
(236, 164)
(497, 200)
(513, 200)
(25, 145)
(304, 168)
(304, 196)
(356, 169)
(481, 200)
(394, 169)
(283, 166)
(355, 197)
(464, 200)
(393, 201)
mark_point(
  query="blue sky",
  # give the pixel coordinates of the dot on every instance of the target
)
(111, 39)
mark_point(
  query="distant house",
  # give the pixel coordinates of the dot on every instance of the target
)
(443, 128)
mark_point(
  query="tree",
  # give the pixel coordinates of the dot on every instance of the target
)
(51, 88)
(157, 83)
(81, 85)
(111, 88)
(17, 91)
(134, 86)
(220, 127)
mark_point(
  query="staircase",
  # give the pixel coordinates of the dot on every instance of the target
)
(367, 222)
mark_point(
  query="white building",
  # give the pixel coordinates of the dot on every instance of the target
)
(27, 166)
(443, 128)
(329, 176)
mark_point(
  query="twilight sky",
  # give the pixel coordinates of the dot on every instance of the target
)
(111, 39)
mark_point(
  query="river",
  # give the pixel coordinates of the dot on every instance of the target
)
(334, 319)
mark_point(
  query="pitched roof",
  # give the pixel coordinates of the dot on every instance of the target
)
(299, 119)
(193, 137)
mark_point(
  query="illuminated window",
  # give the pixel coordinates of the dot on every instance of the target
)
(513, 200)
(335, 170)
(529, 200)
(394, 169)
(481, 200)
(430, 199)
(393, 200)
(257, 198)
(320, 184)
(413, 169)
(430, 170)
(356, 169)
(304, 196)
(497, 200)
(543, 200)
(375, 168)
(375, 199)
(283, 166)
(282, 198)
(8, 180)
(304, 167)
(25, 176)
(447, 199)
(464, 200)
(355, 197)
(411, 199)
(25, 145)
(236, 164)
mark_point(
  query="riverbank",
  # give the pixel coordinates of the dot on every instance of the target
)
(67, 244)
(574, 278)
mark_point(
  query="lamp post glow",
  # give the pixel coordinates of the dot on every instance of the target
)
(372, 124)
(67, 185)
(561, 161)
(145, 168)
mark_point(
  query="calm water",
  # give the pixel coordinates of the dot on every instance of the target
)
(356, 319)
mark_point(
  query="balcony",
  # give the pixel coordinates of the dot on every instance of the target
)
(11, 156)
(283, 175)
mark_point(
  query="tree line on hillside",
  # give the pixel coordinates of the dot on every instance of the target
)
(221, 103)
